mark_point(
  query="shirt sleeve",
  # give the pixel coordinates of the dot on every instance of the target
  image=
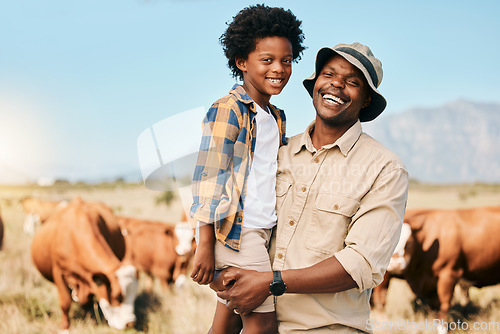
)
(375, 228)
(213, 166)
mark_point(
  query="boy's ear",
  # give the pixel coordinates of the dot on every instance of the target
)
(241, 64)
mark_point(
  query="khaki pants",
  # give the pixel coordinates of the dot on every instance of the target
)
(253, 255)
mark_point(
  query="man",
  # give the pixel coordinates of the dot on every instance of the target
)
(340, 202)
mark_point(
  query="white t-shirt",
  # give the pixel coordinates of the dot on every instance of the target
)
(260, 201)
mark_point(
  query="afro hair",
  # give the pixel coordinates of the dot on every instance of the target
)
(256, 22)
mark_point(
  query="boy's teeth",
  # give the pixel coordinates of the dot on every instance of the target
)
(333, 98)
(275, 80)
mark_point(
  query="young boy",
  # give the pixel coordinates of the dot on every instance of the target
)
(235, 176)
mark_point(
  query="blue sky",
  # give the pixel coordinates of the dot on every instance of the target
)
(79, 81)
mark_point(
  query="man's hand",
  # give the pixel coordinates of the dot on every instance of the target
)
(250, 288)
(217, 283)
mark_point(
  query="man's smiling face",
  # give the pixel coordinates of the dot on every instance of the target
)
(340, 92)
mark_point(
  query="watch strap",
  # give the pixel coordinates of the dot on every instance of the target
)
(276, 276)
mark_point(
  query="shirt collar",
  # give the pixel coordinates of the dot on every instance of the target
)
(240, 93)
(242, 96)
(344, 143)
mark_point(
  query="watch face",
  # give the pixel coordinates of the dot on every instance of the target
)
(277, 288)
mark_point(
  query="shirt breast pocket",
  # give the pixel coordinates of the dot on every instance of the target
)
(330, 220)
(283, 186)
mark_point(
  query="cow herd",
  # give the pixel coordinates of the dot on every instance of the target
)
(89, 253)
(440, 248)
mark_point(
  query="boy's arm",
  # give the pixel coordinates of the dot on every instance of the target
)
(220, 132)
(204, 262)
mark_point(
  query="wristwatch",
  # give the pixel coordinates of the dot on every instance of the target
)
(277, 287)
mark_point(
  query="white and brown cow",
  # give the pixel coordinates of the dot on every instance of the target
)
(159, 249)
(446, 246)
(80, 248)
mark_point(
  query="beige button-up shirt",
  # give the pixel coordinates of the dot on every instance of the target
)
(345, 200)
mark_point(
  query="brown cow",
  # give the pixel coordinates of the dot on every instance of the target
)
(80, 248)
(448, 245)
(37, 211)
(159, 249)
(398, 263)
(1, 231)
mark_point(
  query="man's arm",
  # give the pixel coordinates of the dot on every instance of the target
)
(327, 276)
(251, 288)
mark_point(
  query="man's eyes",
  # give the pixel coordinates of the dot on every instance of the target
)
(353, 83)
(350, 81)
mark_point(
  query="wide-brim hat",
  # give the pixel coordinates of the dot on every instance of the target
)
(362, 57)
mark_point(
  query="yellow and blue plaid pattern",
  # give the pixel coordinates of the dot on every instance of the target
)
(223, 164)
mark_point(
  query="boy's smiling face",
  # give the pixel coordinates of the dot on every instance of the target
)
(267, 69)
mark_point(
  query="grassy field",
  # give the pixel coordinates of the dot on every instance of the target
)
(29, 304)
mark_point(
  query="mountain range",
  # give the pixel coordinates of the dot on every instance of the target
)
(458, 142)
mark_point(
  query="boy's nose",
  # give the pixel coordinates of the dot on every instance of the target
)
(278, 67)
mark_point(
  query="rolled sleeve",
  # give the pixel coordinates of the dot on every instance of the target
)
(355, 265)
(374, 231)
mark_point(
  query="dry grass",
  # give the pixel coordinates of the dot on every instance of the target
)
(29, 304)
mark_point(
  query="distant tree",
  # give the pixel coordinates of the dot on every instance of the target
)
(166, 197)
(120, 180)
(62, 182)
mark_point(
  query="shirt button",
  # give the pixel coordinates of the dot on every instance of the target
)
(316, 160)
(304, 188)
(280, 256)
(336, 207)
(291, 222)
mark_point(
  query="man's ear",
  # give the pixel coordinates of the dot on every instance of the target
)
(368, 100)
(241, 64)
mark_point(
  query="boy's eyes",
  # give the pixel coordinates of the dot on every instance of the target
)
(270, 60)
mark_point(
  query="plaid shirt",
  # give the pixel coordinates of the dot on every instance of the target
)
(224, 160)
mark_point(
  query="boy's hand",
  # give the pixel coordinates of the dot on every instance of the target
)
(204, 264)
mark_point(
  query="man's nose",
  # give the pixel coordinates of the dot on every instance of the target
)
(337, 81)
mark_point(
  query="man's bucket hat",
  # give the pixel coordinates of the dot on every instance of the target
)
(362, 57)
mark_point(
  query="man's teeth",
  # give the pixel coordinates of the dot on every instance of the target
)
(275, 80)
(333, 98)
